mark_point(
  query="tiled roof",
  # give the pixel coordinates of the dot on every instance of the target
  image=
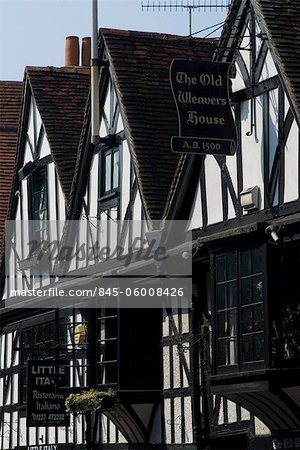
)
(61, 95)
(140, 63)
(10, 107)
(281, 19)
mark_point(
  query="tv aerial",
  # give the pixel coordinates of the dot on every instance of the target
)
(188, 5)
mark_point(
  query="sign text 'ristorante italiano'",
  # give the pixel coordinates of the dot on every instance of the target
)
(206, 124)
(45, 398)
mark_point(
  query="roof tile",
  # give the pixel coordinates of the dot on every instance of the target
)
(10, 107)
(282, 23)
(140, 62)
(61, 95)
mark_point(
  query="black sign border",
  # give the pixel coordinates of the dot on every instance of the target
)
(47, 423)
(235, 143)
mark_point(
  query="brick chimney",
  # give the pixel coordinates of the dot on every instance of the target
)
(86, 51)
(72, 51)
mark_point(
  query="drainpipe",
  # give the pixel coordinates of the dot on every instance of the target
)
(95, 116)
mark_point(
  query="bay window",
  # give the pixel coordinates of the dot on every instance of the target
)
(239, 325)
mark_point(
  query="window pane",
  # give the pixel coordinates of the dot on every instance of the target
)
(246, 291)
(247, 349)
(256, 260)
(222, 324)
(39, 196)
(247, 326)
(232, 322)
(39, 201)
(107, 172)
(252, 318)
(258, 347)
(221, 268)
(232, 359)
(253, 348)
(39, 180)
(246, 262)
(258, 318)
(257, 289)
(231, 266)
(227, 352)
(116, 170)
(232, 295)
(221, 296)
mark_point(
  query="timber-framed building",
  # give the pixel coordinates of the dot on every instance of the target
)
(223, 374)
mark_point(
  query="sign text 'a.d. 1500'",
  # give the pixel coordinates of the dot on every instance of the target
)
(206, 124)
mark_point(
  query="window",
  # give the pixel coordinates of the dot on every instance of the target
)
(109, 195)
(252, 307)
(37, 342)
(129, 342)
(111, 171)
(107, 371)
(140, 348)
(38, 204)
(226, 304)
(239, 309)
(289, 319)
(51, 336)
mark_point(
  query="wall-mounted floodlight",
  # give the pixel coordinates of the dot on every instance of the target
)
(272, 231)
(250, 198)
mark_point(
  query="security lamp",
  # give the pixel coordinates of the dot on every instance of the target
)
(250, 198)
(271, 231)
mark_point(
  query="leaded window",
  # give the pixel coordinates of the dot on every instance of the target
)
(239, 309)
(39, 202)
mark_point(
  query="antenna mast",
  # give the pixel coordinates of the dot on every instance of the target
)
(188, 5)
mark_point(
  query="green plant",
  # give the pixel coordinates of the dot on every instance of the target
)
(90, 401)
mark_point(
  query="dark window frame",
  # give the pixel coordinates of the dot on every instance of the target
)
(32, 323)
(32, 214)
(109, 200)
(62, 349)
(241, 365)
(125, 351)
(112, 190)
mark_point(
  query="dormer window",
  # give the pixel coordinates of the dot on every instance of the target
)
(111, 171)
(109, 186)
(39, 197)
(35, 174)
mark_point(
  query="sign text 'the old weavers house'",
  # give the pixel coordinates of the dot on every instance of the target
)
(206, 124)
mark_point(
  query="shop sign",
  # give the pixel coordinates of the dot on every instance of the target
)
(46, 447)
(45, 396)
(201, 94)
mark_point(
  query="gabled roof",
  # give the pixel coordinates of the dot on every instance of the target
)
(10, 108)
(140, 64)
(281, 19)
(61, 95)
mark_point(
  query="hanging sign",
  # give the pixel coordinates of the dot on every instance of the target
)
(45, 398)
(206, 124)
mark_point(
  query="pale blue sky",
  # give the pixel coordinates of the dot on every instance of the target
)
(32, 32)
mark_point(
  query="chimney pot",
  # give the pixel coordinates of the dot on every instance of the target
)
(86, 51)
(72, 51)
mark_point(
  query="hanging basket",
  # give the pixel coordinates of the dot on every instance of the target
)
(90, 401)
